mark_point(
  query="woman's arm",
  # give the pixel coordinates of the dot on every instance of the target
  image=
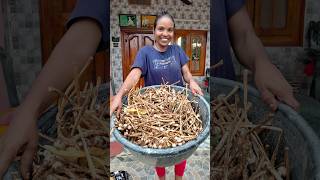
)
(252, 54)
(187, 76)
(68, 57)
(130, 81)
(76, 46)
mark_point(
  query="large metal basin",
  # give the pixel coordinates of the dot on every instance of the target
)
(303, 143)
(169, 156)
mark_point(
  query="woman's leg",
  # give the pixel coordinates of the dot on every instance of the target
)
(179, 169)
(161, 172)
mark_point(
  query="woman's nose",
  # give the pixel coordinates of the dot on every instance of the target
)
(165, 33)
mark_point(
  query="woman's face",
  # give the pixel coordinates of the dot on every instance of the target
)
(163, 32)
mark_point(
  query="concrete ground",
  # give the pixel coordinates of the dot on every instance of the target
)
(198, 165)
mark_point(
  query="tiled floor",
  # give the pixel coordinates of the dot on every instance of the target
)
(198, 165)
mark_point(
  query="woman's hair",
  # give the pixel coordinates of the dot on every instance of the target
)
(159, 16)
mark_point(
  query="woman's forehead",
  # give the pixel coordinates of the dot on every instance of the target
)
(165, 21)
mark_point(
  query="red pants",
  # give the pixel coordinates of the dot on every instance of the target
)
(178, 169)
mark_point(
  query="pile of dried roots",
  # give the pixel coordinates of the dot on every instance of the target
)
(238, 152)
(159, 118)
(80, 149)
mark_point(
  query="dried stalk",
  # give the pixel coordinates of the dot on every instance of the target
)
(88, 156)
(238, 153)
(159, 118)
(78, 152)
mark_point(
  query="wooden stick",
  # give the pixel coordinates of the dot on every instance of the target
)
(46, 137)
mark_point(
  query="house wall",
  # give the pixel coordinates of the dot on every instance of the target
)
(22, 41)
(286, 58)
(23, 44)
(200, 9)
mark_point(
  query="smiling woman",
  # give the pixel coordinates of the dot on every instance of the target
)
(163, 32)
(160, 63)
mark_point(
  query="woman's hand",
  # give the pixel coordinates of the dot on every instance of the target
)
(195, 88)
(187, 76)
(273, 86)
(116, 104)
(131, 80)
(268, 78)
(21, 136)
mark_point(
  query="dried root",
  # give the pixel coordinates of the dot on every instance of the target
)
(238, 152)
(80, 149)
(159, 118)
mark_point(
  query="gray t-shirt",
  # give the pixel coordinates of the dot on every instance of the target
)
(97, 10)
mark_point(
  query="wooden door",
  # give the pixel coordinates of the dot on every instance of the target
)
(53, 17)
(194, 43)
(278, 22)
(131, 41)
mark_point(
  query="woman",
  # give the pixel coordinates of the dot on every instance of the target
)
(158, 63)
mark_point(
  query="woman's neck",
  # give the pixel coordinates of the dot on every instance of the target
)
(160, 48)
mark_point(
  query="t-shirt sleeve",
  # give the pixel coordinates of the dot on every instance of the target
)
(140, 62)
(232, 6)
(94, 9)
(182, 56)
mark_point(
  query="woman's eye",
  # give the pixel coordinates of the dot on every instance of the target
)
(160, 29)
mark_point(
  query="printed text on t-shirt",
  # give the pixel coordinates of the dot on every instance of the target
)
(163, 63)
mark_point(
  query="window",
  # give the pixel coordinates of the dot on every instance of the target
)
(278, 22)
(193, 42)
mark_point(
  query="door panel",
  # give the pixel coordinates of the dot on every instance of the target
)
(53, 17)
(147, 39)
(133, 49)
(132, 40)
